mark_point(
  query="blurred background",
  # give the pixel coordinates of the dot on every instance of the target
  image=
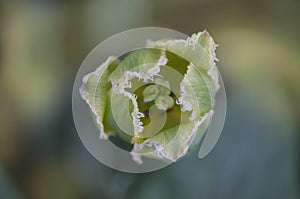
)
(42, 44)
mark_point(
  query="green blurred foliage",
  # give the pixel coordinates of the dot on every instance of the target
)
(42, 44)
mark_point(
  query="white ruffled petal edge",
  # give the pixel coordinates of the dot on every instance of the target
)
(84, 94)
(193, 41)
(119, 87)
(161, 151)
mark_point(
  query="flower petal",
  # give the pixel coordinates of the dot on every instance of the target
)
(94, 91)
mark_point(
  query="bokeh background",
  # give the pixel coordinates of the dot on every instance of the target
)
(42, 44)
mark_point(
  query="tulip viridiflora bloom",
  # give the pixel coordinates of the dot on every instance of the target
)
(187, 116)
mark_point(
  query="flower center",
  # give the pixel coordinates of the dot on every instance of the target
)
(160, 93)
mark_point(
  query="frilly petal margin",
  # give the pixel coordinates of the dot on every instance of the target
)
(144, 71)
(199, 49)
(93, 91)
(171, 144)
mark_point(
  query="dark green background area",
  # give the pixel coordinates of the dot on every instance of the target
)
(42, 44)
